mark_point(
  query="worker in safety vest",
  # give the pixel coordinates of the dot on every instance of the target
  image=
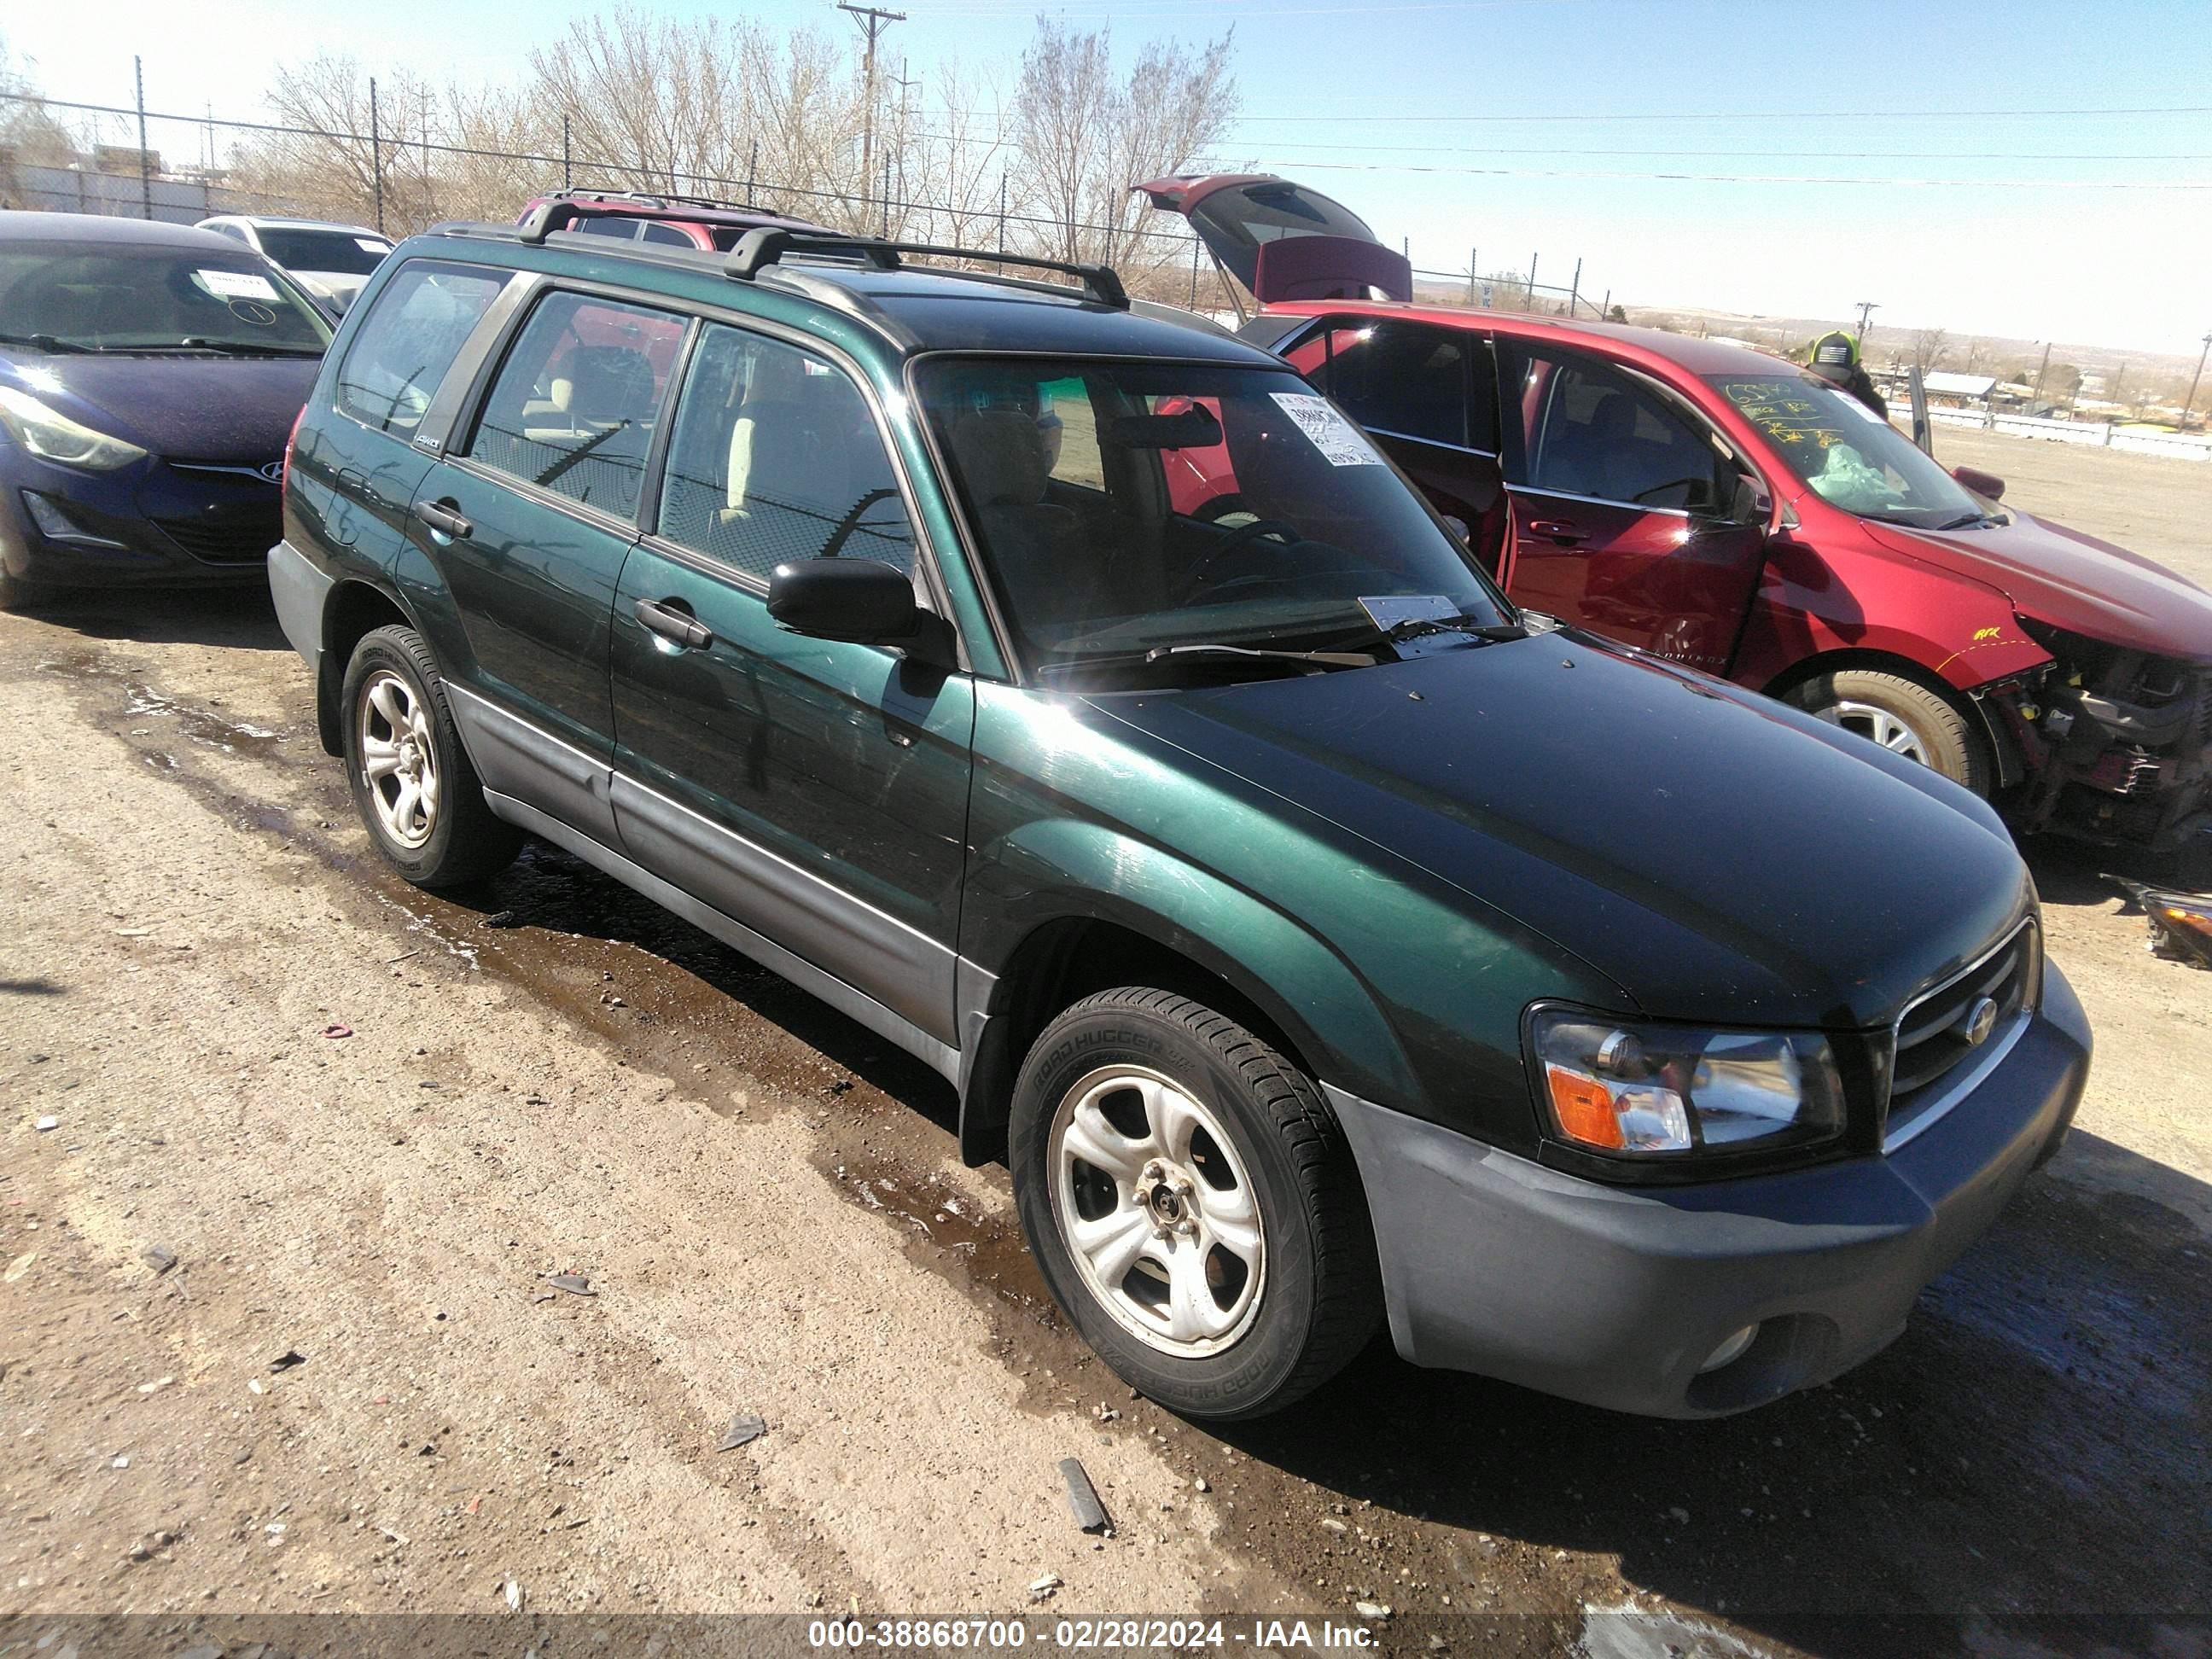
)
(1836, 357)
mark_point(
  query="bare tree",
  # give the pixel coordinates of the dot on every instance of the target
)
(29, 135)
(328, 162)
(1086, 134)
(1930, 349)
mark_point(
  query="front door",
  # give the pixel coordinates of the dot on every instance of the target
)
(1621, 500)
(528, 522)
(1427, 395)
(814, 791)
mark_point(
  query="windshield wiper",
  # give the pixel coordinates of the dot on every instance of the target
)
(240, 348)
(1976, 519)
(1318, 659)
(46, 343)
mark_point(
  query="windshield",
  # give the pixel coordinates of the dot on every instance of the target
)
(337, 251)
(112, 297)
(1851, 457)
(1124, 508)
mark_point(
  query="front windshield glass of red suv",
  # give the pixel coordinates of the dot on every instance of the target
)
(1125, 507)
(1851, 457)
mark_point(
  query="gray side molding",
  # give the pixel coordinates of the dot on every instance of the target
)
(517, 759)
(938, 1056)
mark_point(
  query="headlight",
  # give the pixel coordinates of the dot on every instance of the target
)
(1646, 1090)
(52, 436)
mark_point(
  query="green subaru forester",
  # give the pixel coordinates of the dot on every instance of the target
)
(1066, 692)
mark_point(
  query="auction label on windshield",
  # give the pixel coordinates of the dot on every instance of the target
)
(237, 284)
(1338, 439)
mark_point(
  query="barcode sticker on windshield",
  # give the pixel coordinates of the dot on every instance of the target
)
(1338, 439)
(236, 284)
(370, 245)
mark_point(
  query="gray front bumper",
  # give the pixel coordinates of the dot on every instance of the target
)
(1616, 1295)
(300, 589)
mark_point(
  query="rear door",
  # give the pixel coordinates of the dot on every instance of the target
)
(1427, 395)
(526, 523)
(814, 790)
(1620, 496)
(353, 476)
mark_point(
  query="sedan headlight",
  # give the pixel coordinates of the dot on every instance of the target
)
(1647, 1089)
(52, 436)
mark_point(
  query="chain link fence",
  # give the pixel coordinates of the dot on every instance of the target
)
(127, 160)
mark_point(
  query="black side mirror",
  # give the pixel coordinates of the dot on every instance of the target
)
(1750, 504)
(863, 600)
(1987, 485)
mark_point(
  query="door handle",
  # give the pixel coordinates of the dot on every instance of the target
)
(1560, 530)
(444, 519)
(679, 627)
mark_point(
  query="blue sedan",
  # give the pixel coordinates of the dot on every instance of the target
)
(150, 375)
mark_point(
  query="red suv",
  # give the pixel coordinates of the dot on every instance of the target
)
(690, 221)
(1718, 507)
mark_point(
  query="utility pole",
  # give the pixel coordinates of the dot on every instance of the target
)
(2188, 403)
(145, 162)
(375, 156)
(904, 86)
(1866, 308)
(873, 21)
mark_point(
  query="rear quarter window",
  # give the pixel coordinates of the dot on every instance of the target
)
(414, 329)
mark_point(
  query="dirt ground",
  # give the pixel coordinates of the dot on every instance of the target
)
(369, 1124)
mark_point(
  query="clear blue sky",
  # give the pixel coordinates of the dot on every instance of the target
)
(2015, 245)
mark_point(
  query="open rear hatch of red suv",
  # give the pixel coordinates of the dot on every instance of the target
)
(1283, 241)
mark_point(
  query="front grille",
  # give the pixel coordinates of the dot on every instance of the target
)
(1935, 1033)
(232, 536)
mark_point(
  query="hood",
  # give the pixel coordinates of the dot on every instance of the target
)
(201, 409)
(1282, 240)
(1719, 857)
(342, 287)
(2070, 580)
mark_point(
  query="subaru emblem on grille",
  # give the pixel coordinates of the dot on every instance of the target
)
(273, 471)
(1980, 1020)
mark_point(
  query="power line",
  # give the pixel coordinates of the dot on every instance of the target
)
(1764, 155)
(1763, 115)
(1755, 178)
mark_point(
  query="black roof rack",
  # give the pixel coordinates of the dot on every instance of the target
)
(769, 245)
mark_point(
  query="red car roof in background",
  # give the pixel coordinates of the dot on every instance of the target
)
(1657, 345)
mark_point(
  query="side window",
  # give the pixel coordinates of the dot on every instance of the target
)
(774, 458)
(1068, 426)
(620, 226)
(668, 236)
(1433, 384)
(1586, 430)
(407, 343)
(573, 406)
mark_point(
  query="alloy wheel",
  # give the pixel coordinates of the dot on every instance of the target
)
(1877, 726)
(1158, 1210)
(398, 761)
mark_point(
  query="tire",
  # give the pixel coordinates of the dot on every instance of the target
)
(17, 595)
(1275, 1256)
(394, 714)
(1904, 716)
